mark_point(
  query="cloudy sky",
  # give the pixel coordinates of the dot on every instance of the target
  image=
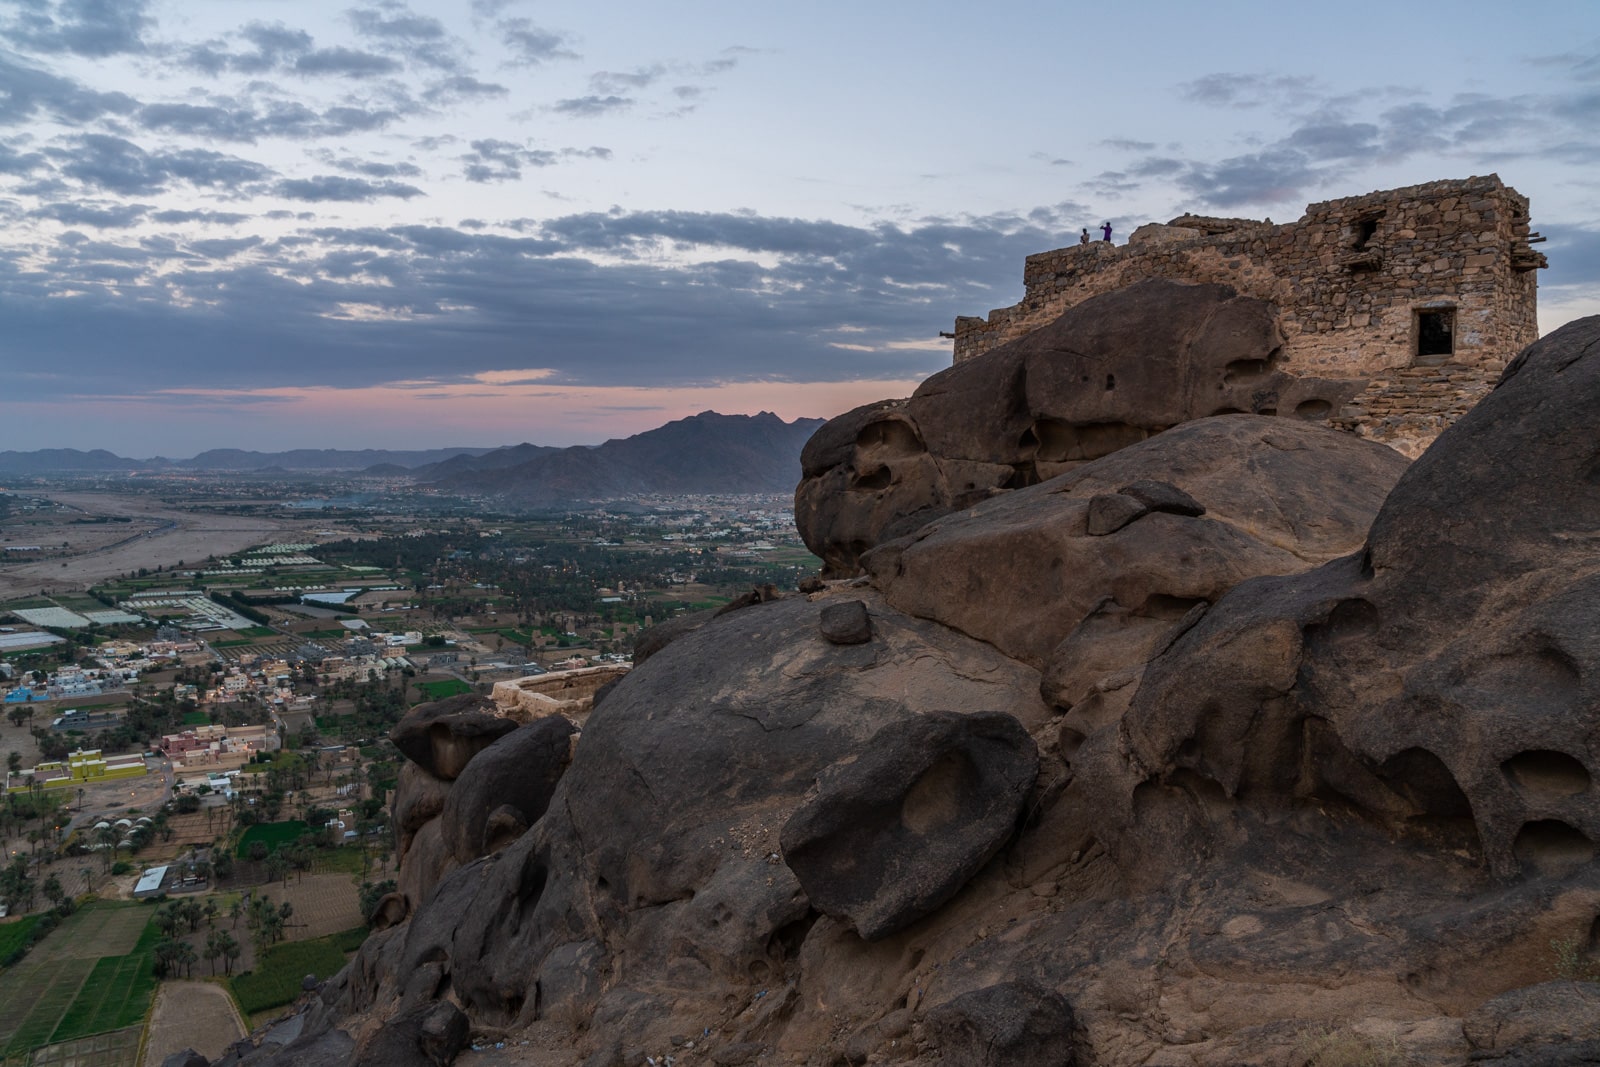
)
(412, 223)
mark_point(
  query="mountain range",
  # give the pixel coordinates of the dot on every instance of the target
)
(704, 453)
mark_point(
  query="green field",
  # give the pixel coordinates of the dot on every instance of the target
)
(196, 718)
(14, 935)
(445, 687)
(257, 631)
(275, 834)
(67, 990)
(319, 635)
(276, 980)
(27, 602)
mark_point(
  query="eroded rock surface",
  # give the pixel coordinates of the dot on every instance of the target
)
(443, 736)
(894, 833)
(1111, 372)
(1300, 784)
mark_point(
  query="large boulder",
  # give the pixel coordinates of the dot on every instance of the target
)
(1112, 371)
(1440, 679)
(1205, 506)
(442, 737)
(506, 785)
(660, 854)
(893, 834)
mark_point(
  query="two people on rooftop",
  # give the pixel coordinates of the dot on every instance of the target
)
(1105, 228)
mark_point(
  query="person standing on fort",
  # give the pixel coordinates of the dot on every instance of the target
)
(1105, 228)
(1084, 239)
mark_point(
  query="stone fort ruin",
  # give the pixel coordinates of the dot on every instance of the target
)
(1405, 304)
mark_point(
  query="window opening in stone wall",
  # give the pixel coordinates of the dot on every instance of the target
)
(1436, 332)
(1366, 230)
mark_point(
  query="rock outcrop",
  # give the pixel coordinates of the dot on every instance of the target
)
(1233, 746)
(1111, 372)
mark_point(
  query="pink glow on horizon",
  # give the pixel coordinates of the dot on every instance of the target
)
(429, 414)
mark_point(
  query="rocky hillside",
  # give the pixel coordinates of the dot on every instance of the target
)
(1242, 742)
(705, 453)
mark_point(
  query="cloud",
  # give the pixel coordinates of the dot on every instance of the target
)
(217, 218)
(19, 163)
(462, 87)
(27, 93)
(370, 168)
(704, 291)
(532, 45)
(491, 160)
(420, 38)
(346, 62)
(278, 119)
(331, 187)
(224, 247)
(609, 82)
(117, 165)
(592, 106)
(1248, 90)
(94, 28)
(275, 46)
(99, 214)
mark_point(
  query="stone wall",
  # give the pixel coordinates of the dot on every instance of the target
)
(1350, 278)
(570, 693)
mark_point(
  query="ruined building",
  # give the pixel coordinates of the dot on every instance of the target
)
(1407, 303)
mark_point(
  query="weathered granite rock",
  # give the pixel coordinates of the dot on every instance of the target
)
(505, 785)
(418, 798)
(1022, 570)
(1011, 1024)
(1111, 372)
(443, 736)
(667, 830)
(1435, 680)
(895, 833)
(846, 623)
(1354, 799)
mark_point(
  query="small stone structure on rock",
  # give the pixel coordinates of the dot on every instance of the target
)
(570, 693)
(1422, 294)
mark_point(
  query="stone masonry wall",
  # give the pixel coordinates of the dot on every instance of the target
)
(1349, 278)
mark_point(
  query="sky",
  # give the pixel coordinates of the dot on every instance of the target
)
(273, 224)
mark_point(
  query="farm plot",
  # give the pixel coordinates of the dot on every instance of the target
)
(117, 1049)
(93, 976)
(104, 928)
(274, 834)
(323, 904)
(33, 997)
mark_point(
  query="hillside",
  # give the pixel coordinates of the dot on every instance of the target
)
(705, 453)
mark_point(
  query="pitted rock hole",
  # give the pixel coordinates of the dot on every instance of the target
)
(1244, 370)
(1545, 773)
(936, 798)
(873, 480)
(1426, 783)
(1065, 442)
(1551, 848)
(1163, 606)
(890, 436)
(1312, 409)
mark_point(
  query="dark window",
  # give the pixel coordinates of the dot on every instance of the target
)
(1436, 332)
(1366, 229)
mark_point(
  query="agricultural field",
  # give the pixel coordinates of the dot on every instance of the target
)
(323, 903)
(276, 978)
(94, 975)
(445, 687)
(275, 834)
(14, 935)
